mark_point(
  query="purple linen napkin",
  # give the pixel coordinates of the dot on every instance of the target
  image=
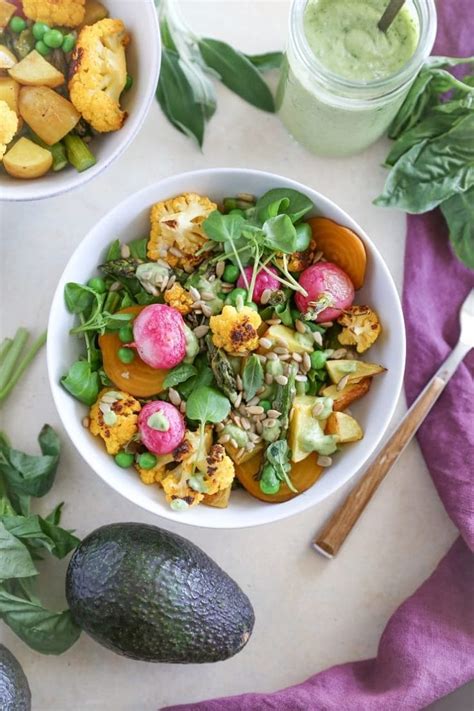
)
(427, 648)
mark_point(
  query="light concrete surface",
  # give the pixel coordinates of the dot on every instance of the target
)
(310, 613)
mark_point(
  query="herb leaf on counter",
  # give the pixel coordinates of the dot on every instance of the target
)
(27, 474)
(265, 62)
(15, 560)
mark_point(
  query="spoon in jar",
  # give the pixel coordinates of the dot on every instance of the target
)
(391, 11)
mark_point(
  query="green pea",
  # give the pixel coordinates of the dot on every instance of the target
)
(42, 48)
(39, 28)
(236, 211)
(231, 273)
(303, 236)
(128, 83)
(147, 460)
(269, 482)
(125, 334)
(69, 43)
(234, 295)
(53, 38)
(124, 459)
(17, 24)
(98, 285)
(126, 355)
(266, 404)
(318, 359)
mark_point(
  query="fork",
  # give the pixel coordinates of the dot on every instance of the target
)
(330, 539)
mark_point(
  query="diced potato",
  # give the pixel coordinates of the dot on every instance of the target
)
(220, 500)
(354, 369)
(47, 113)
(34, 70)
(345, 397)
(245, 456)
(27, 160)
(344, 428)
(9, 92)
(95, 11)
(7, 58)
(7, 10)
(294, 341)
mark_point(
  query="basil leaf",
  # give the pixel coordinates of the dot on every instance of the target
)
(55, 516)
(237, 73)
(223, 228)
(458, 212)
(264, 62)
(176, 98)
(433, 170)
(15, 560)
(433, 125)
(252, 376)
(32, 475)
(207, 405)
(78, 298)
(204, 376)
(292, 203)
(39, 532)
(414, 105)
(280, 234)
(166, 36)
(81, 382)
(43, 630)
(203, 89)
(179, 374)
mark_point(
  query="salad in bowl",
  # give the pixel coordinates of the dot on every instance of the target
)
(222, 351)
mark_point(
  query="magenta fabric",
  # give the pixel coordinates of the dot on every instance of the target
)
(427, 648)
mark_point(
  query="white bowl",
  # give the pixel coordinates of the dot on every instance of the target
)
(131, 219)
(143, 63)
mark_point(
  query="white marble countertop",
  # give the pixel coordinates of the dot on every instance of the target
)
(310, 613)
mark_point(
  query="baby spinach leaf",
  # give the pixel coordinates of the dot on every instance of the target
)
(458, 212)
(207, 405)
(204, 376)
(15, 560)
(237, 73)
(280, 234)
(30, 475)
(78, 298)
(43, 630)
(113, 251)
(252, 376)
(179, 374)
(223, 228)
(138, 248)
(81, 382)
(292, 203)
(266, 61)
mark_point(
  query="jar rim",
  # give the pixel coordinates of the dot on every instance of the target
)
(427, 17)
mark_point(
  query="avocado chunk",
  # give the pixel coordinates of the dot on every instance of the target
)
(344, 428)
(307, 431)
(354, 369)
(15, 694)
(151, 595)
(294, 341)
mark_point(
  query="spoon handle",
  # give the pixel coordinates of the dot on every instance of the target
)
(391, 11)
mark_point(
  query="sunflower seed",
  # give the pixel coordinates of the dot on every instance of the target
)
(324, 461)
(125, 375)
(281, 350)
(258, 427)
(281, 379)
(245, 423)
(233, 443)
(219, 426)
(171, 281)
(266, 296)
(269, 422)
(255, 410)
(274, 321)
(182, 407)
(306, 362)
(206, 311)
(240, 453)
(317, 409)
(212, 278)
(339, 353)
(261, 390)
(300, 327)
(247, 197)
(280, 342)
(116, 286)
(220, 268)
(224, 439)
(176, 252)
(301, 378)
(317, 257)
(297, 357)
(236, 419)
(238, 400)
(285, 357)
(207, 296)
(273, 413)
(343, 382)
(194, 293)
(317, 337)
(125, 251)
(265, 343)
(164, 283)
(249, 446)
(162, 263)
(272, 356)
(201, 331)
(253, 401)
(268, 378)
(86, 422)
(174, 396)
(239, 383)
(326, 324)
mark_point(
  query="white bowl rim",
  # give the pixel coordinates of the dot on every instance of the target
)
(19, 190)
(276, 512)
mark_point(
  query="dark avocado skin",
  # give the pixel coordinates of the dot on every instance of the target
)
(151, 595)
(15, 694)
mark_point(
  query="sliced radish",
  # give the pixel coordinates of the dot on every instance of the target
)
(263, 282)
(161, 427)
(159, 336)
(330, 291)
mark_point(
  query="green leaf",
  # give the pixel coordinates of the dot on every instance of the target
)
(179, 374)
(43, 630)
(15, 559)
(432, 171)
(237, 73)
(113, 251)
(176, 98)
(204, 376)
(437, 62)
(291, 202)
(31, 475)
(55, 516)
(458, 212)
(207, 405)
(39, 532)
(78, 298)
(81, 382)
(280, 234)
(278, 455)
(267, 61)
(138, 248)
(223, 228)
(414, 105)
(252, 376)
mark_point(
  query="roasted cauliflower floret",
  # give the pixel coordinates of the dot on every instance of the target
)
(220, 470)
(236, 331)
(179, 299)
(98, 74)
(299, 261)
(183, 485)
(168, 463)
(176, 230)
(114, 417)
(62, 13)
(361, 327)
(8, 126)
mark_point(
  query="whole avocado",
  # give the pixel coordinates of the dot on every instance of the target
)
(15, 694)
(152, 595)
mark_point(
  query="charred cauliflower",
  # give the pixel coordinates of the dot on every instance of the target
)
(220, 470)
(361, 327)
(299, 261)
(114, 417)
(183, 483)
(98, 74)
(179, 299)
(62, 13)
(8, 126)
(176, 230)
(236, 331)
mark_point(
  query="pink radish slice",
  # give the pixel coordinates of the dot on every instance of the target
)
(159, 336)
(325, 280)
(170, 421)
(263, 281)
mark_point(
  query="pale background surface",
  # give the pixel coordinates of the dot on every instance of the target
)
(310, 613)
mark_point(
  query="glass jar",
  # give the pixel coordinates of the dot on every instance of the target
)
(335, 116)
